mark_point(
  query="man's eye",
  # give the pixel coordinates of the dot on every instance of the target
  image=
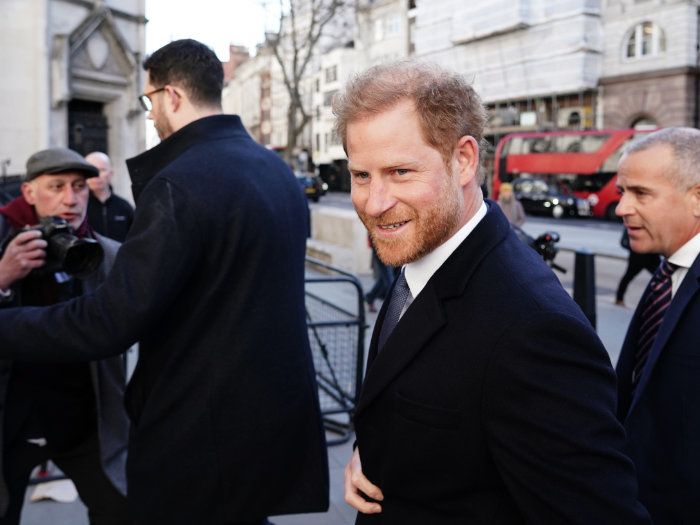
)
(401, 171)
(361, 175)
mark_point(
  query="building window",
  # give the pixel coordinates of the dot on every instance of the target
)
(378, 30)
(644, 122)
(645, 39)
(393, 25)
(328, 98)
(331, 74)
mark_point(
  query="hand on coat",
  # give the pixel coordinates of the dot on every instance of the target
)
(24, 253)
(355, 481)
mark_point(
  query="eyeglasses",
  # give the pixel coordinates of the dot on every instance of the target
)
(145, 99)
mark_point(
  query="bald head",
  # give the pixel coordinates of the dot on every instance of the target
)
(100, 185)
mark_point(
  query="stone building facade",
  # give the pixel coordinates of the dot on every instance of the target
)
(72, 71)
(650, 70)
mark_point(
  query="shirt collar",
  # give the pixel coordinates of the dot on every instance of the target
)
(686, 254)
(419, 272)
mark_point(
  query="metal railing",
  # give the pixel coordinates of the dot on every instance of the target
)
(336, 322)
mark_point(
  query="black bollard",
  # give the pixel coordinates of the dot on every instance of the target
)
(584, 284)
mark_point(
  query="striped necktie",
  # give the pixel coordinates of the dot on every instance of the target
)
(655, 305)
(397, 302)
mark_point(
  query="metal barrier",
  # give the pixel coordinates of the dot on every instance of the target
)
(336, 321)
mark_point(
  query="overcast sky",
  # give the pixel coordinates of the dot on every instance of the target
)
(217, 23)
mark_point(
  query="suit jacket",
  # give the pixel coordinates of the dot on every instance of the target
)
(493, 401)
(225, 417)
(108, 381)
(662, 417)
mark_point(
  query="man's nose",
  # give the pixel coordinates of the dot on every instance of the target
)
(70, 196)
(380, 198)
(623, 207)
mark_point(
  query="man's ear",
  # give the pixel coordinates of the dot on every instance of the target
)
(694, 193)
(28, 192)
(467, 157)
(174, 99)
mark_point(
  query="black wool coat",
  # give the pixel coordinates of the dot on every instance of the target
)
(225, 417)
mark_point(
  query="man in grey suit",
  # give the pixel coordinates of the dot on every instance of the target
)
(70, 413)
(659, 365)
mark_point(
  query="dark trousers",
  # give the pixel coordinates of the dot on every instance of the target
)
(636, 262)
(384, 276)
(106, 505)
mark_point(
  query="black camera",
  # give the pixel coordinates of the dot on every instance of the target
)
(65, 251)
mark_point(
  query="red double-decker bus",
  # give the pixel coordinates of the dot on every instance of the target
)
(583, 161)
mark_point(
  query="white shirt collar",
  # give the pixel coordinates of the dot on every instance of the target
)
(683, 258)
(686, 254)
(419, 272)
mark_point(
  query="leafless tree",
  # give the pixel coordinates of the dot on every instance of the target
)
(301, 28)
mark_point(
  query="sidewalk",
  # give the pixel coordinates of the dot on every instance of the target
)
(612, 324)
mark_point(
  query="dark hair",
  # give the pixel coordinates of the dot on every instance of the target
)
(447, 105)
(190, 65)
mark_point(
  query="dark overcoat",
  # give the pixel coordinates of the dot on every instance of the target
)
(662, 414)
(493, 400)
(225, 417)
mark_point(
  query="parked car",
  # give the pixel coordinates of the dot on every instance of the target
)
(539, 197)
(312, 185)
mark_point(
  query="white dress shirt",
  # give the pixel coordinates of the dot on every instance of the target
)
(419, 272)
(684, 258)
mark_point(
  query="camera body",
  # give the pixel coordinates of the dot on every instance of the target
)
(65, 251)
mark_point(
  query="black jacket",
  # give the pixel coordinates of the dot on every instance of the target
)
(111, 218)
(223, 401)
(661, 413)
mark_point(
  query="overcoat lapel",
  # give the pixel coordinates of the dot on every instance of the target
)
(422, 319)
(425, 316)
(689, 287)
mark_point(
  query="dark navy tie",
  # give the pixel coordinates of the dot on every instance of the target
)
(397, 302)
(655, 305)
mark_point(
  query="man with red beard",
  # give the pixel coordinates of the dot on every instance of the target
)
(465, 418)
(659, 363)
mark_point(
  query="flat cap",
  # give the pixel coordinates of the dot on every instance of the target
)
(58, 160)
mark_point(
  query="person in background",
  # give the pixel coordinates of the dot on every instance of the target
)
(463, 418)
(383, 275)
(108, 214)
(70, 413)
(510, 206)
(659, 365)
(636, 262)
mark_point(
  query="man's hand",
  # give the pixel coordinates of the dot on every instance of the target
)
(24, 253)
(355, 481)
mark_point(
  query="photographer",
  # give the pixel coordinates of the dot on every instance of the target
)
(70, 413)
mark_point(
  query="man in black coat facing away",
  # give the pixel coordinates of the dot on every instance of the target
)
(488, 398)
(226, 425)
